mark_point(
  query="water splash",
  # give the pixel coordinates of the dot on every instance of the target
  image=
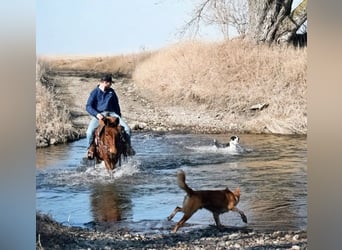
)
(99, 171)
(215, 150)
(129, 169)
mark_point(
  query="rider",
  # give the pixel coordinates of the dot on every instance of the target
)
(103, 101)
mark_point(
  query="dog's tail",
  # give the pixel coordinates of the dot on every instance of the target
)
(182, 184)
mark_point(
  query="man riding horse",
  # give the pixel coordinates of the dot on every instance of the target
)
(102, 102)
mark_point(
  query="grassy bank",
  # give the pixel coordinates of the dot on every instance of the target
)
(225, 79)
(53, 116)
(232, 77)
(53, 123)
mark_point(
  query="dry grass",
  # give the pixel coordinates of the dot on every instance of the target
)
(231, 76)
(119, 64)
(53, 124)
(224, 78)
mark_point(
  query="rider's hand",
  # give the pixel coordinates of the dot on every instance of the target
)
(99, 116)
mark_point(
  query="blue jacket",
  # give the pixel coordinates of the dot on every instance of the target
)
(100, 101)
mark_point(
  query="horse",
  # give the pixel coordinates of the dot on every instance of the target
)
(110, 142)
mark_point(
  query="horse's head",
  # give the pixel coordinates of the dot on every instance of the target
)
(110, 138)
(110, 121)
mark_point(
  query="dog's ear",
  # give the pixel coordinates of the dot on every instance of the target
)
(237, 192)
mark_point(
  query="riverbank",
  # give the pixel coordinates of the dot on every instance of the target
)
(143, 113)
(232, 87)
(246, 99)
(52, 235)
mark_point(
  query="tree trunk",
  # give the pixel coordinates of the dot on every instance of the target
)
(272, 20)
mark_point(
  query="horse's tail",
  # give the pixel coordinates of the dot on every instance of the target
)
(182, 184)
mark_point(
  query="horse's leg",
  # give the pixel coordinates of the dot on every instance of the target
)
(95, 160)
(110, 172)
(108, 166)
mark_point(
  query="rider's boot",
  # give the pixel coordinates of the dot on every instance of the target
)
(91, 149)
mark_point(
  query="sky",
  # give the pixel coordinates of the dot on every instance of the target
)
(107, 27)
(110, 27)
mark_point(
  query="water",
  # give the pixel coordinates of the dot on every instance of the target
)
(271, 173)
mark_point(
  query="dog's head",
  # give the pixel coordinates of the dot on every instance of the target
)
(234, 140)
(233, 197)
(236, 192)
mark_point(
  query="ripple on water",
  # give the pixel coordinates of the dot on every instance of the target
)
(271, 174)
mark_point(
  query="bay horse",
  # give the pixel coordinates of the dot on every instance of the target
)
(110, 142)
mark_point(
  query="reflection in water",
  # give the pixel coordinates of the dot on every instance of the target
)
(272, 177)
(49, 157)
(61, 155)
(108, 204)
(277, 197)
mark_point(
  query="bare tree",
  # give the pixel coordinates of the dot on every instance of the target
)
(221, 13)
(239, 16)
(273, 21)
(257, 20)
(192, 27)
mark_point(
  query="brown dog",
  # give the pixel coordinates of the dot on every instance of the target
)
(216, 201)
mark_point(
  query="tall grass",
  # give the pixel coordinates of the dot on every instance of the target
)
(231, 77)
(119, 64)
(53, 118)
(53, 124)
(224, 77)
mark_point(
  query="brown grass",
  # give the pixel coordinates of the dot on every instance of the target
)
(53, 124)
(231, 76)
(118, 64)
(226, 78)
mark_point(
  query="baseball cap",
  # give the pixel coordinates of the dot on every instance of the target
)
(107, 78)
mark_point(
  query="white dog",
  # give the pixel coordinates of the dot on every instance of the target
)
(232, 146)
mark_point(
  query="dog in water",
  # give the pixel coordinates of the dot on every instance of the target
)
(216, 201)
(233, 143)
(233, 146)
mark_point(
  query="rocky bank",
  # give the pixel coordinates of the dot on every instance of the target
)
(52, 235)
